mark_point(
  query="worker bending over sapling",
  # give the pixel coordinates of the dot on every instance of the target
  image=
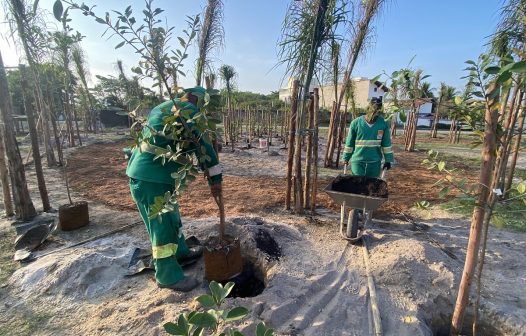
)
(151, 178)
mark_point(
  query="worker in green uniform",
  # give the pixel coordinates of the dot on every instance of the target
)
(368, 142)
(149, 179)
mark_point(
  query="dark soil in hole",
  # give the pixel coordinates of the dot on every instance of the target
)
(360, 185)
(247, 284)
(268, 245)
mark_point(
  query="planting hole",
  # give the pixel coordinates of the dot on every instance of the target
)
(249, 283)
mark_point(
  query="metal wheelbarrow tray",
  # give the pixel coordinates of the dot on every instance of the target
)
(356, 201)
(353, 201)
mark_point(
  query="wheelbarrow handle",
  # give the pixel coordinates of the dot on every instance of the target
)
(345, 169)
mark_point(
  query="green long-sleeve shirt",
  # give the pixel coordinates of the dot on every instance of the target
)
(367, 142)
(141, 165)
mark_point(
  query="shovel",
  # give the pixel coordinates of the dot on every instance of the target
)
(221, 206)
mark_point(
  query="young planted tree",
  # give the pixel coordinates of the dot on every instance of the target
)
(446, 96)
(227, 73)
(488, 83)
(81, 70)
(26, 20)
(24, 208)
(29, 109)
(211, 37)
(308, 30)
(361, 32)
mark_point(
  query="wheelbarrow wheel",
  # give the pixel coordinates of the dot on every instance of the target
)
(352, 224)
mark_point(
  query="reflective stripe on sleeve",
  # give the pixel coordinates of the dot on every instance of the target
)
(214, 170)
(348, 150)
(368, 143)
(387, 150)
(164, 251)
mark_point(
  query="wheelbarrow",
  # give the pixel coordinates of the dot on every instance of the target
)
(351, 204)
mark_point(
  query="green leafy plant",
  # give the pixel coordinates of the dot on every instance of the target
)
(211, 317)
(187, 128)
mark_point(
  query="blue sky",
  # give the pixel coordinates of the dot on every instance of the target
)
(442, 34)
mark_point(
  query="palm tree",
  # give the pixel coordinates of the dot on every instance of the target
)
(211, 36)
(79, 61)
(369, 11)
(445, 101)
(26, 20)
(228, 74)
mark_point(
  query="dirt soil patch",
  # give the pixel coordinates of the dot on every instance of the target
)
(98, 172)
(360, 185)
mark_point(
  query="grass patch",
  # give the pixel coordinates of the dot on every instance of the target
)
(7, 243)
(25, 324)
(520, 173)
(509, 215)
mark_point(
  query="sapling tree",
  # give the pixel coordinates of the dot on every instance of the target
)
(211, 318)
(487, 81)
(158, 61)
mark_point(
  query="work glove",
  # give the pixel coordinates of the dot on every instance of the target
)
(387, 165)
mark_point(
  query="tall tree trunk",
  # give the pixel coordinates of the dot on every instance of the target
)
(328, 158)
(4, 177)
(315, 140)
(516, 150)
(341, 132)
(291, 141)
(23, 205)
(508, 140)
(436, 120)
(300, 121)
(28, 104)
(308, 157)
(485, 180)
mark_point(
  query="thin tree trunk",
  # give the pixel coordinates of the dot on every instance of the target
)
(516, 150)
(436, 120)
(341, 132)
(308, 157)
(76, 121)
(23, 205)
(292, 133)
(507, 141)
(4, 177)
(328, 159)
(28, 104)
(316, 99)
(485, 179)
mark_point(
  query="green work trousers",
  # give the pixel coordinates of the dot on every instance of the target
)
(364, 168)
(166, 236)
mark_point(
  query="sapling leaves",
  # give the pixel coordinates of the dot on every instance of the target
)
(58, 9)
(262, 330)
(203, 320)
(236, 314)
(206, 301)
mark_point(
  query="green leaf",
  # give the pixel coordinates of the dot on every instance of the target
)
(175, 329)
(99, 20)
(120, 45)
(441, 165)
(521, 188)
(262, 330)
(519, 67)
(504, 77)
(203, 320)
(443, 193)
(458, 100)
(198, 332)
(58, 9)
(470, 62)
(217, 291)
(236, 314)
(492, 70)
(206, 301)
(228, 288)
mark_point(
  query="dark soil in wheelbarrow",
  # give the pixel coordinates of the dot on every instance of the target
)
(360, 185)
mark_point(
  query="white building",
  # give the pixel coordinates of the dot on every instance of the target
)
(364, 90)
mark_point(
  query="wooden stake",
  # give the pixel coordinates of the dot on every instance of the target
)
(316, 99)
(308, 157)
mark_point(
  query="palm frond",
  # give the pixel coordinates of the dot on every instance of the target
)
(211, 35)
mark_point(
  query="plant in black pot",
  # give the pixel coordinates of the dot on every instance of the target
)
(75, 214)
